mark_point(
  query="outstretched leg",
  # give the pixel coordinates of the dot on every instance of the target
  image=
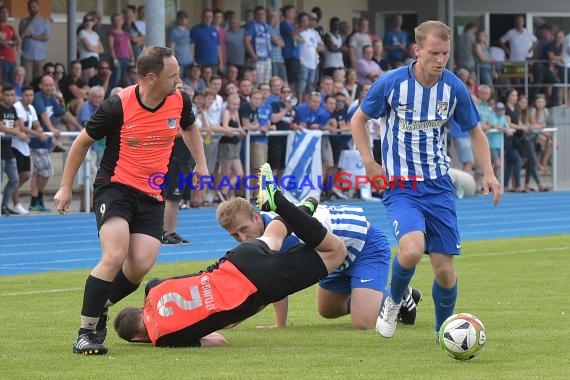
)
(331, 248)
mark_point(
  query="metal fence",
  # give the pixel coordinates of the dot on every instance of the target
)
(527, 75)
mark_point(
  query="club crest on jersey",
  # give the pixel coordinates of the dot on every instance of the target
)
(442, 109)
(172, 123)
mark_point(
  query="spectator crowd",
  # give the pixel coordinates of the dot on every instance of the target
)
(279, 70)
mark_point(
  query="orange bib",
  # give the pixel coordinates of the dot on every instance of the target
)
(178, 303)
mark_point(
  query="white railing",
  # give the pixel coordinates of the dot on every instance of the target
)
(523, 70)
(87, 173)
(554, 155)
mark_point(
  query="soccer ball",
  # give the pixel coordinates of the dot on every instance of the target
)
(462, 336)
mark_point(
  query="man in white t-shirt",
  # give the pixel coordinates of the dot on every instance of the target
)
(311, 44)
(520, 41)
(358, 40)
(20, 148)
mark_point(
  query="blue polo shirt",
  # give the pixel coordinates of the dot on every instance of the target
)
(260, 34)
(305, 115)
(206, 41)
(291, 49)
(393, 38)
(49, 104)
(264, 118)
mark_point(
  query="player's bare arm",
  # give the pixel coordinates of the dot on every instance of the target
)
(361, 138)
(75, 157)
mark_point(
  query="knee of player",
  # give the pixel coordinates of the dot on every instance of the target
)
(328, 313)
(445, 274)
(135, 270)
(114, 258)
(364, 322)
(140, 270)
(411, 246)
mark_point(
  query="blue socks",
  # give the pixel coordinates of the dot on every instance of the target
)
(444, 302)
(401, 278)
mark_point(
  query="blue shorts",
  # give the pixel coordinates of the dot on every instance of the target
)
(369, 269)
(429, 208)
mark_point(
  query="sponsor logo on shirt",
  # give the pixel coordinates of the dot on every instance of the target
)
(409, 126)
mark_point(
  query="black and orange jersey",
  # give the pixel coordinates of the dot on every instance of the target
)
(139, 139)
(179, 311)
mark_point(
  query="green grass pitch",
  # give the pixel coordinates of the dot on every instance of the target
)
(518, 287)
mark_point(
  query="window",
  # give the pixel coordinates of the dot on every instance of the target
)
(555, 22)
(461, 21)
(60, 6)
(105, 7)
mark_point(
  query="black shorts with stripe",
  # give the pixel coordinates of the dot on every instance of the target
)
(143, 213)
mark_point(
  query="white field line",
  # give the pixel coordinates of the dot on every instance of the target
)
(515, 252)
(63, 290)
(43, 291)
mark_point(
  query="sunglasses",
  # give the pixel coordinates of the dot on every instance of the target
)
(89, 20)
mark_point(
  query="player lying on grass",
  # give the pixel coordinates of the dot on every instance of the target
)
(357, 287)
(186, 311)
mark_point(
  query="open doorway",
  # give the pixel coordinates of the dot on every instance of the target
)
(409, 23)
(499, 25)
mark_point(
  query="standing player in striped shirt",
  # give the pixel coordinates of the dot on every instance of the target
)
(358, 286)
(414, 103)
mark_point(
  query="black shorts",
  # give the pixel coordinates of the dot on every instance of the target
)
(180, 166)
(338, 144)
(22, 162)
(274, 274)
(276, 151)
(144, 214)
(377, 151)
(293, 66)
(88, 63)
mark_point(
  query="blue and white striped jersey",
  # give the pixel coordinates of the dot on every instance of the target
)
(347, 222)
(413, 121)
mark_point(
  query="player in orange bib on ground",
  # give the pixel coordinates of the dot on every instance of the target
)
(139, 124)
(187, 311)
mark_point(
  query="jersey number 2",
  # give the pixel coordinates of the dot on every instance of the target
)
(396, 230)
(194, 302)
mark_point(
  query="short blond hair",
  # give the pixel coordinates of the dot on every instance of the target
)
(228, 210)
(433, 27)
